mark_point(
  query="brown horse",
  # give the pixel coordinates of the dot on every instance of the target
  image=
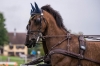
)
(47, 23)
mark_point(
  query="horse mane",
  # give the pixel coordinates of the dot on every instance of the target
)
(56, 15)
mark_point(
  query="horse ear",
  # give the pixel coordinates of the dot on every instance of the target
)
(37, 10)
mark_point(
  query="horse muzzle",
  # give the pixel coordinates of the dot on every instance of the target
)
(30, 43)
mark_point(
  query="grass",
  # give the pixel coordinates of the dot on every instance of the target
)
(12, 59)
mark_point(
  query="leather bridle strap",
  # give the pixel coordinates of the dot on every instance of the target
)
(58, 43)
(82, 48)
(70, 54)
(68, 37)
(54, 36)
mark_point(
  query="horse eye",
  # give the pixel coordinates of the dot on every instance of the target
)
(37, 21)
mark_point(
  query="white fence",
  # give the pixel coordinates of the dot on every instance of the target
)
(27, 65)
(8, 63)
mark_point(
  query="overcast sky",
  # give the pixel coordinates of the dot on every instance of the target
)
(78, 15)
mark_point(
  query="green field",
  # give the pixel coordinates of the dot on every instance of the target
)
(12, 59)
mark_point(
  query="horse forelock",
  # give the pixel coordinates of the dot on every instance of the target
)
(56, 16)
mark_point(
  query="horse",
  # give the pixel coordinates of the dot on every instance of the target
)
(47, 23)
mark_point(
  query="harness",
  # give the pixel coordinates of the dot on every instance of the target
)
(80, 56)
(68, 37)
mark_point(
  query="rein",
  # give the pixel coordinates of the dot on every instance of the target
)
(54, 36)
(85, 36)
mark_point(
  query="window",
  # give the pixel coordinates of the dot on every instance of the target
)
(22, 53)
(11, 53)
(11, 47)
(20, 47)
(17, 47)
(17, 53)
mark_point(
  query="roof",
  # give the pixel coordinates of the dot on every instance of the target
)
(17, 38)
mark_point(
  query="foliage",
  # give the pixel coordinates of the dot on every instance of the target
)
(3, 31)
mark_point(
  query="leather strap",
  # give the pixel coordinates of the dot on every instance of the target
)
(82, 48)
(71, 54)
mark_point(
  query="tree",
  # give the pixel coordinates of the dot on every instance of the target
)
(3, 31)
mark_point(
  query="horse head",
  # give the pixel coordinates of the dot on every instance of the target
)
(35, 27)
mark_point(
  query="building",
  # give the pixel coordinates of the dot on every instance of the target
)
(16, 44)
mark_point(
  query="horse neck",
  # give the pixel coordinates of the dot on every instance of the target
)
(53, 29)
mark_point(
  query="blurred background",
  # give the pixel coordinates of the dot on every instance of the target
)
(79, 16)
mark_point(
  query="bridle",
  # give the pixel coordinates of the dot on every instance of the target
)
(39, 35)
(33, 41)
